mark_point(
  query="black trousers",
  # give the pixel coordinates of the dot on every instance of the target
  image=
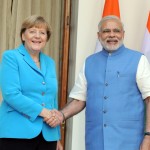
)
(37, 143)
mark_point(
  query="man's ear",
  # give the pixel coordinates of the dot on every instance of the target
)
(123, 33)
(98, 34)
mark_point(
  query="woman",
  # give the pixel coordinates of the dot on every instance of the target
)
(29, 90)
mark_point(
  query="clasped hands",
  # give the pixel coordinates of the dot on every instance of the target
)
(52, 117)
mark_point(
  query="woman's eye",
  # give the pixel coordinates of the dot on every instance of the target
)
(43, 33)
(32, 31)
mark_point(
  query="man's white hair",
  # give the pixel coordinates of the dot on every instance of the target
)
(110, 17)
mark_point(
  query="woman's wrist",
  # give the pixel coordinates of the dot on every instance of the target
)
(45, 113)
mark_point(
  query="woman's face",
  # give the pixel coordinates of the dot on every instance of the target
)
(35, 39)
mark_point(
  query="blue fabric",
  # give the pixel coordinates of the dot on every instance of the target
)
(25, 88)
(0, 76)
(114, 105)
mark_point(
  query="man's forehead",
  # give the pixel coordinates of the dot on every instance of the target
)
(111, 24)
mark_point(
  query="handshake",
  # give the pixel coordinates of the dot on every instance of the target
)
(53, 117)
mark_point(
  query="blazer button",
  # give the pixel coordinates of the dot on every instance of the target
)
(43, 93)
(43, 104)
(43, 83)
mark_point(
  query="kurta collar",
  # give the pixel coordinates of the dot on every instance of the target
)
(118, 51)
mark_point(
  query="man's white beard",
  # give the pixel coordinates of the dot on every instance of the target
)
(111, 48)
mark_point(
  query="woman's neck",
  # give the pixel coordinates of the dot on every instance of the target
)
(34, 55)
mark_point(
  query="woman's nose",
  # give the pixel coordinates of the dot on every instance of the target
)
(37, 34)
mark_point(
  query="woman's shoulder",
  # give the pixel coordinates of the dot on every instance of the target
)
(9, 53)
(14, 53)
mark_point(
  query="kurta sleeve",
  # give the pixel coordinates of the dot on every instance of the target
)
(143, 77)
(79, 90)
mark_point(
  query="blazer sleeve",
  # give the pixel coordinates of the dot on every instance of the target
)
(11, 88)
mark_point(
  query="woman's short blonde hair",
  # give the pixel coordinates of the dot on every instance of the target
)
(35, 21)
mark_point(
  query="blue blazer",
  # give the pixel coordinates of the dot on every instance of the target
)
(26, 90)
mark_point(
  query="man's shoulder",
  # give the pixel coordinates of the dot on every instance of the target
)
(132, 55)
(94, 55)
(133, 51)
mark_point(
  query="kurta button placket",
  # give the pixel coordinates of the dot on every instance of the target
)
(104, 111)
(106, 84)
(105, 97)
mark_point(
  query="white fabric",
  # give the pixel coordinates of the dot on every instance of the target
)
(146, 44)
(98, 46)
(142, 79)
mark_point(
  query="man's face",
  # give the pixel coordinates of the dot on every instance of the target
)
(111, 35)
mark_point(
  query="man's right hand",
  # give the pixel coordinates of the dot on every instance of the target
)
(56, 119)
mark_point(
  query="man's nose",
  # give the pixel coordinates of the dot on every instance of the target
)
(112, 33)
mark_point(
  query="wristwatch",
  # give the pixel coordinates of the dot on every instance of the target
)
(147, 133)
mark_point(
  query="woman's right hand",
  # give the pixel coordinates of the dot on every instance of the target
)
(56, 118)
(46, 113)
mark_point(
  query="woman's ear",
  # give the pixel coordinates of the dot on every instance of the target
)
(23, 37)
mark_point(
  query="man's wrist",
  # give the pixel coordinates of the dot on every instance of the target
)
(64, 118)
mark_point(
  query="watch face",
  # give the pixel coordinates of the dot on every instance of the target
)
(147, 133)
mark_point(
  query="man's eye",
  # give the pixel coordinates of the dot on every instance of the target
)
(117, 31)
(106, 31)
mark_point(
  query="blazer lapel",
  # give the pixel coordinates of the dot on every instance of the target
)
(27, 58)
(43, 63)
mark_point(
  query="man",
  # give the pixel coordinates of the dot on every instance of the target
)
(113, 85)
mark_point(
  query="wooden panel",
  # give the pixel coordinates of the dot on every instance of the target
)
(64, 65)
